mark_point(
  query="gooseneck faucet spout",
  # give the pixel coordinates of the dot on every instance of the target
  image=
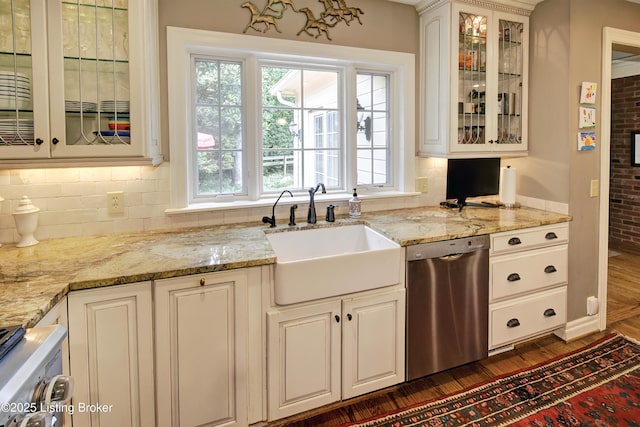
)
(311, 215)
(272, 220)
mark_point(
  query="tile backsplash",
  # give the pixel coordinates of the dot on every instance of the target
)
(73, 201)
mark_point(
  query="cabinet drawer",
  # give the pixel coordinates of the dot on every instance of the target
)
(528, 271)
(529, 238)
(527, 316)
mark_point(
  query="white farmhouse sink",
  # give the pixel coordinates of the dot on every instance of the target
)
(325, 262)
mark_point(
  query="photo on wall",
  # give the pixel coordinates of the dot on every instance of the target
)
(588, 93)
(586, 141)
(587, 118)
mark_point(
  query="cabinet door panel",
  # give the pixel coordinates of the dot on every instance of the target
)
(373, 326)
(200, 350)
(304, 358)
(111, 348)
(210, 313)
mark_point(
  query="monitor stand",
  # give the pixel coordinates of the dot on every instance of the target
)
(462, 202)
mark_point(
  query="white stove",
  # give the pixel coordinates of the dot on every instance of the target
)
(33, 391)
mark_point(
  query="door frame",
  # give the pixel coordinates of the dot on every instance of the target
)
(610, 36)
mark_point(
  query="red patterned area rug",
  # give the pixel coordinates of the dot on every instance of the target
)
(597, 385)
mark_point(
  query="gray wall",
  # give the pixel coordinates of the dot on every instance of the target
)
(567, 50)
(386, 26)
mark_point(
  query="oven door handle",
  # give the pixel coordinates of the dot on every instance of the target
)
(59, 390)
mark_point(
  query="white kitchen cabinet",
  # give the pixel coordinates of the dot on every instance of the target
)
(72, 69)
(528, 277)
(474, 75)
(372, 342)
(201, 349)
(111, 355)
(321, 352)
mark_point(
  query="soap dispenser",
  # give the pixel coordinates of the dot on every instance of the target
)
(26, 218)
(355, 205)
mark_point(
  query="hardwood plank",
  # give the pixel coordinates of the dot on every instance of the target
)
(623, 315)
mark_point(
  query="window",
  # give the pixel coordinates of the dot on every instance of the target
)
(301, 140)
(373, 147)
(218, 142)
(261, 115)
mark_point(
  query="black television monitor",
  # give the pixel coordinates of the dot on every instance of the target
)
(472, 178)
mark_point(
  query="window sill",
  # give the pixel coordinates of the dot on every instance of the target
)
(285, 201)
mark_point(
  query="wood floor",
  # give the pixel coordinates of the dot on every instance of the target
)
(623, 315)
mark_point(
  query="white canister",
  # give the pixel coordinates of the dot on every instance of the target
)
(26, 218)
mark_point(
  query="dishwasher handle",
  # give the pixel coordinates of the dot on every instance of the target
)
(451, 258)
(447, 248)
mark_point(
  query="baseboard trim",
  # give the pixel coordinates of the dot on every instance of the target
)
(579, 328)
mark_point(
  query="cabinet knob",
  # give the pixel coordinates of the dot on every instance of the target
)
(39, 141)
(549, 312)
(349, 317)
(513, 277)
(491, 141)
(551, 235)
(513, 323)
(514, 241)
(550, 269)
(202, 282)
(337, 318)
(54, 141)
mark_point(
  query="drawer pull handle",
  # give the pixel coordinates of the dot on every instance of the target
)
(550, 235)
(550, 269)
(202, 282)
(513, 277)
(549, 312)
(513, 323)
(514, 241)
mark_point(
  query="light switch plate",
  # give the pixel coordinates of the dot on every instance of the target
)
(595, 188)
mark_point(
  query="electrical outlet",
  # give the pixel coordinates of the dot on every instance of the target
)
(595, 188)
(115, 202)
(422, 184)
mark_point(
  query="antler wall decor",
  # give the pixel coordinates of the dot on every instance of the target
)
(335, 11)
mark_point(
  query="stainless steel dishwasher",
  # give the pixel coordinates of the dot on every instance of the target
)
(447, 304)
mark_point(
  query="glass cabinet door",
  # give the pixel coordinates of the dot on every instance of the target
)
(472, 78)
(510, 83)
(19, 82)
(91, 107)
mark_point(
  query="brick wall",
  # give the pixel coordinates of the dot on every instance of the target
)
(624, 222)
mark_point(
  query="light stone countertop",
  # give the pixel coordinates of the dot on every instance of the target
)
(34, 279)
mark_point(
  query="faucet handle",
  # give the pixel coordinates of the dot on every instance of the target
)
(330, 214)
(267, 220)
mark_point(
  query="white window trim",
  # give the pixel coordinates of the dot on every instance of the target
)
(184, 42)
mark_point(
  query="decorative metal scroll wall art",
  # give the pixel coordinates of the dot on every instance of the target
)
(334, 12)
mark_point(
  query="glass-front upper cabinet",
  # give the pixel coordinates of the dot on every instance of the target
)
(20, 82)
(71, 86)
(479, 107)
